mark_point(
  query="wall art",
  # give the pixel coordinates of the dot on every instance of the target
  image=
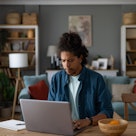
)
(83, 26)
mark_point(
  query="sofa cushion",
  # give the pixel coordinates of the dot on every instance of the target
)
(116, 80)
(39, 90)
(134, 88)
(118, 89)
(24, 94)
(31, 80)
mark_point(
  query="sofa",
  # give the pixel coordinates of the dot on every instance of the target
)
(116, 84)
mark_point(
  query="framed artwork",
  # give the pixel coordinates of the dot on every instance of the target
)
(83, 26)
(103, 63)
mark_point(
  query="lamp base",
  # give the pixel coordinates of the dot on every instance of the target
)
(19, 83)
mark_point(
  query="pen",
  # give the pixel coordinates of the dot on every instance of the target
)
(20, 124)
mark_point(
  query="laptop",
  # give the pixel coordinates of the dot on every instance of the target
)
(48, 116)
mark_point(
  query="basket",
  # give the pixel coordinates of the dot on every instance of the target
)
(29, 19)
(129, 18)
(13, 18)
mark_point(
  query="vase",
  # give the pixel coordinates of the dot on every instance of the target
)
(6, 112)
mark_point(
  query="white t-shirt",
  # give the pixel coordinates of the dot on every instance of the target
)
(73, 86)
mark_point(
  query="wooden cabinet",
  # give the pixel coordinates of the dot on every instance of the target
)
(128, 50)
(20, 39)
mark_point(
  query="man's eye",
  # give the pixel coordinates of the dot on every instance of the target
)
(70, 60)
(62, 60)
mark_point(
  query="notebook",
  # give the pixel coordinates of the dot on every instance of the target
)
(13, 124)
(48, 116)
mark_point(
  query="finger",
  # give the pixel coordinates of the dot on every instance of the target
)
(77, 125)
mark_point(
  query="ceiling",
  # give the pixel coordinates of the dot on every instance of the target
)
(67, 2)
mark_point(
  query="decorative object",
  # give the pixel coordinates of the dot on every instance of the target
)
(14, 34)
(95, 64)
(17, 60)
(15, 45)
(7, 46)
(13, 18)
(112, 130)
(82, 25)
(111, 62)
(129, 18)
(52, 52)
(103, 63)
(30, 33)
(29, 19)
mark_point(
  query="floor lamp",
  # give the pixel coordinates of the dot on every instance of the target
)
(17, 60)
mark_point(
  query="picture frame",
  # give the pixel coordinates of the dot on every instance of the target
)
(82, 24)
(103, 63)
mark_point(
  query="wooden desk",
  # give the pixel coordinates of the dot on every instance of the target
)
(92, 131)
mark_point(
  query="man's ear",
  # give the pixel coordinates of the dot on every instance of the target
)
(81, 58)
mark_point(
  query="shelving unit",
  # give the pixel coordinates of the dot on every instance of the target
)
(19, 41)
(128, 50)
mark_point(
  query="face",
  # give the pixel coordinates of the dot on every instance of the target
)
(71, 64)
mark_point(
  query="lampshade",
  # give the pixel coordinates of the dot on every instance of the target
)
(52, 50)
(18, 60)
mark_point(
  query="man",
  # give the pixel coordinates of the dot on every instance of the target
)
(85, 89)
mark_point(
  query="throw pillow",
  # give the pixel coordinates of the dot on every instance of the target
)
(134, 88)
(39, 90)
(118, 89)
(116, 80)
(31, 80)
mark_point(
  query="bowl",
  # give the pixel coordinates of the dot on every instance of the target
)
(110, 128)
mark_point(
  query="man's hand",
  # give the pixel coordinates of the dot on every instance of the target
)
(78, 124)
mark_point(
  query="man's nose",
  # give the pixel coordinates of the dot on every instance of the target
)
(67, 64)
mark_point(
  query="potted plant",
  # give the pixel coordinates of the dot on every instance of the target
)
(7, 92)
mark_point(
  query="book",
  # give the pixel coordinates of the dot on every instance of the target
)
(13, 124)
(129, 61)
(32, 61)
(128, 48)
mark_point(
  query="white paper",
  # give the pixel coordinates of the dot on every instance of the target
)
(13, 124)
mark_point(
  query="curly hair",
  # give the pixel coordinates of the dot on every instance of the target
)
(72, 42)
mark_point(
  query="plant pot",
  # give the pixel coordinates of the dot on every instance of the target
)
(6, 112)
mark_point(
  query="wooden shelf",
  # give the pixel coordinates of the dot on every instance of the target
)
(131, 51)
(20, 38)
(131, 65)
(128, 50)
(18, 42)
(20, 51)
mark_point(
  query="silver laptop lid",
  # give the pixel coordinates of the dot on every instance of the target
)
(47, 116)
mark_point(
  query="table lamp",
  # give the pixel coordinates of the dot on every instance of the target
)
(52, 52)
(17, 60)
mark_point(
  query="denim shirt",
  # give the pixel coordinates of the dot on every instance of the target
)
(94, 96)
